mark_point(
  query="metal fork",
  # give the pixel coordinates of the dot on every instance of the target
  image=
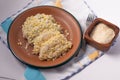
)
(89, 20)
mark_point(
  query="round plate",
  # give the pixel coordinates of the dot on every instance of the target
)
(65, 19)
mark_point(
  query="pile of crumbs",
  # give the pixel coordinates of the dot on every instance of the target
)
(46, 36)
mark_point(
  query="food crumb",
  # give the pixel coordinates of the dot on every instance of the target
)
(19, 43)
(26, 46)
(67, 33)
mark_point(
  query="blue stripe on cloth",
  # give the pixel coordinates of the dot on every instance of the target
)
(6, 24)
(31, 73)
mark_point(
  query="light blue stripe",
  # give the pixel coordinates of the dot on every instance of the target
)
(6, 24)
(33, 74)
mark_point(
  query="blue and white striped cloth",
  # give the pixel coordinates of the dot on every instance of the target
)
(80, 10)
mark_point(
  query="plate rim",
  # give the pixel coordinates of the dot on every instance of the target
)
(46, 67)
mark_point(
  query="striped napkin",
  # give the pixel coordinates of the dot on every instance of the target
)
(80, 11)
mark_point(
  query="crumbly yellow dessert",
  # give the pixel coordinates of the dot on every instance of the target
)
(45, 34)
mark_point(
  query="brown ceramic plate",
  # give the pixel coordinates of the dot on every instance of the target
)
(65, 19)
